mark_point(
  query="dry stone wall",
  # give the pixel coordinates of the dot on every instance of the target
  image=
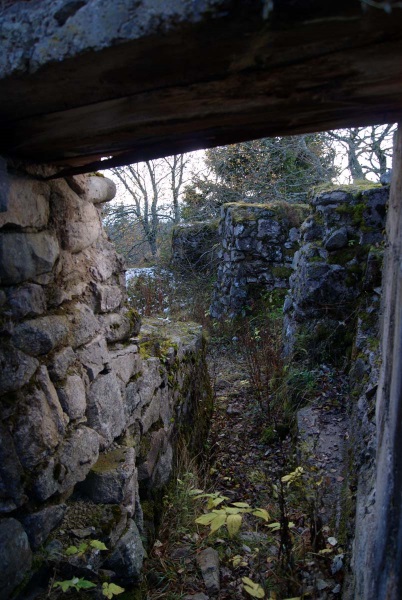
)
(195, 246)
(257, 247)
(332, 315)
(337, 267)
(90, 407)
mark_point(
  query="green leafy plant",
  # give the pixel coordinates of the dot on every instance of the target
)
(84, 546)
(252, 588)
(230, 516)
(75, 583)
(111, 589)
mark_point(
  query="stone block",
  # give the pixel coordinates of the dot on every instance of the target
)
(110, 481)
(38, 426)
(140, 393)
(26, 256)
(40, 525)
(16, 368)
(11, 474)
(26, 301)
(117, 327)
(60, 363)
(125, 362)
(15, 556)
(42, 335)
(337, 239)
(27, 204)
(77, 219)
(72, 397)
(108, 297)
(269, 228)
(127, 557)
(100, 189)
(94, 189)
(94, 356)
(84, 325)
(70, 465)
(208, 562)
(105, 410)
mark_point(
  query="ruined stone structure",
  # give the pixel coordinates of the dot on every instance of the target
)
(258, 243)
(135, 80)
(338, 265)
(195, 246)
(90, 407)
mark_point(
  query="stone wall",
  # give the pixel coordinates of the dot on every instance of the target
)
(337, 267)
(258, 243)
(90, 408)
(332, 315)
(195, 246)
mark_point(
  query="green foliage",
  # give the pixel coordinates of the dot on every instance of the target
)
(84, 546)
(230, 516)
(253, 589)
(111, 589)
(75, 583)
(269, 169)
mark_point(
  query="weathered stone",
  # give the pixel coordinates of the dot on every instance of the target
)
(269, 228)
(156, 442)
(70, 465)
(140, 393)
(117, 327)
(40, 525)
(25, 256)
(78, 219)
(42, 335)
(199, 596)
(16, 368)
(11, 474)
(127, 557)
(94, 356)
(72, 397)
(94, 189)
(111, 479)
(15, 556)
(84, 325)
(39, 425)
(28, 204)
(108, 297)
(164, 468)
(125, 362)
(338, 239)
(60, 364)
(26, 301)
(208, 562)
(100, 189)
(152, 412)
(105, 410)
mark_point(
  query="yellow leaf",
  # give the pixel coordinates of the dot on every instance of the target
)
(231, 510)
(261, 513)
(205, 519)
(237, 560)
(233, 524)
(275, 526)
(218, 522)
(254, 589)
(241, 504)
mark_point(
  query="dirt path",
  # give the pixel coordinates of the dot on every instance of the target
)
(291, 559)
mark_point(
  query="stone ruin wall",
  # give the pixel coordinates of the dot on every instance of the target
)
(90, 405)
(258, 243)
(195, 247)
